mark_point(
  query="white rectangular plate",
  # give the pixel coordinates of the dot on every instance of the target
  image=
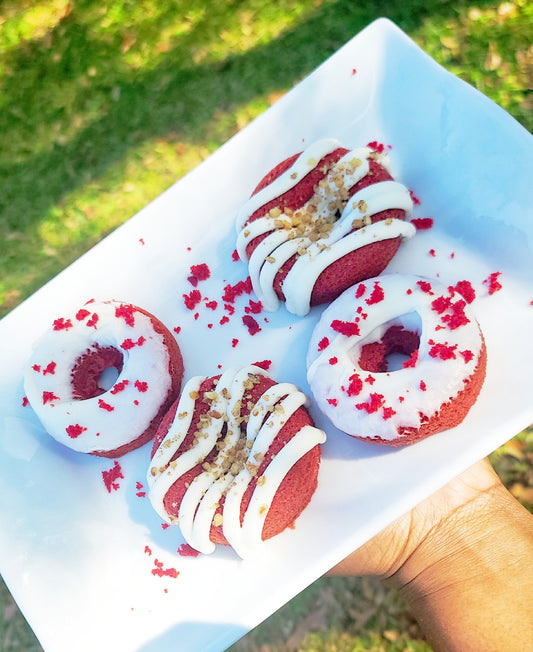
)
(79, 558)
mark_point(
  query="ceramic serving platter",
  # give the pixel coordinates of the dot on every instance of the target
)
(81, 549)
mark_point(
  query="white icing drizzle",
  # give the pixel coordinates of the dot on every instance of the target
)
(409, 391)
(224, 480)
(315, 251)
(129, 410)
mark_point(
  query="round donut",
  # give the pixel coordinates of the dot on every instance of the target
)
(235, 460)
(432, 341)
(319, 222)
(65, 378)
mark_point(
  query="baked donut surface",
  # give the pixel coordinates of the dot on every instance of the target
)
(65, 378)
(235, 460)
(319, 222)
(439, 367)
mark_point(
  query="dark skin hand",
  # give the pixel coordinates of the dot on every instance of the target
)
(463, 560)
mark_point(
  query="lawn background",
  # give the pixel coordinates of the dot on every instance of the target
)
(103, 105)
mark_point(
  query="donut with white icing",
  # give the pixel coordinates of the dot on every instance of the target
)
(319, 222)
(65, 378)
(235, 460)
(431, 338)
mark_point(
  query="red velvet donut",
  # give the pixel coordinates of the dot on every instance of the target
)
(436, 380)
(235, 460)
(319, 222)
(65, 377)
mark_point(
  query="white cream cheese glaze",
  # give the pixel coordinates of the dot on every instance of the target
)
(379, 405)
(122, 413)
(325, 239)
(224, 478)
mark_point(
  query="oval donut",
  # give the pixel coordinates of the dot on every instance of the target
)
(319, 222)
(437, 379)
(63, 378)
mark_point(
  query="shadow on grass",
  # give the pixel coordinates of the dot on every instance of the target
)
(135, 105)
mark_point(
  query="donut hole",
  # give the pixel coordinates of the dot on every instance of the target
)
(395, 349)
(96, 371)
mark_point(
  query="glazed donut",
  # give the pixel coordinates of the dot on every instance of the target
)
(63, 378)
(438, 375)
(235, 460)
(319, 222)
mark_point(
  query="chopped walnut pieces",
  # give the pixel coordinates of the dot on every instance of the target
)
(225, 393)
(194, 395)
(259, 457)
(275, 212)
(362, 206)
(261, 480)
(252, 469)
(236, 409)
(153, 471)
(263, 509)
(217, 520)
(357, 224)
(235, 468)
(270, 259)
(182, 415)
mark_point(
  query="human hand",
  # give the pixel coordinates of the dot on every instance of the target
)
(463, 500)
(462, 559)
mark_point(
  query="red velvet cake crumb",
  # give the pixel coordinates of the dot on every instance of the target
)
(48, 397)
(50, 368)
(323, 344)
(141, 385)
(192, 299)
(160, 571)
(442, 351)
(493, 283)
(345, 327)
(422, 223)
(355, 386)
(82, 314)
(105, 406)
(75, 430)
(127, 313)
(251, 324)
(62, 324)
(415, 199)
(263, 364)
(111, 476)
(360, 290)
(377, 294)
(465, 289)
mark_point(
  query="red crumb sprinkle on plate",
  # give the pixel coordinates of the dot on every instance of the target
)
(112, 476)
(251, 324)
(492, 282)
(422, 223)
(160, 571)
(263, 364)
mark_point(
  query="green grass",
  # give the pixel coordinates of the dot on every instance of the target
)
(103, 105)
